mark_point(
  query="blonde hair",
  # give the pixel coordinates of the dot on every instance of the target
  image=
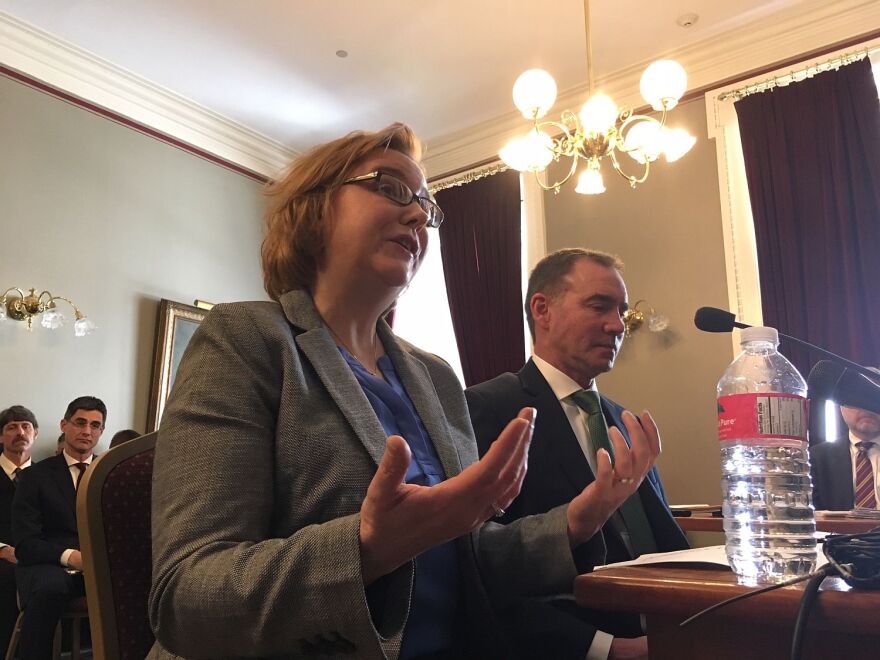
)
(294, 247)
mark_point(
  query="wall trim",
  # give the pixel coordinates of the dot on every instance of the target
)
(758, 46)
(68, 72)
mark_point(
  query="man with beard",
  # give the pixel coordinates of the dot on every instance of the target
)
(49, 572)
(18, 430)
(574, 307)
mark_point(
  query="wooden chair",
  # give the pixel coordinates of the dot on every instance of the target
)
(76, 611)
(113, 515)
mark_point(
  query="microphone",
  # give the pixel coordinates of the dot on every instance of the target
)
(832, 381)
(712, 319)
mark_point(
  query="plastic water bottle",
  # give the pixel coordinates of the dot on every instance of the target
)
(769, 521)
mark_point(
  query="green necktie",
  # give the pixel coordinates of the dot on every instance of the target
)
(632, 511)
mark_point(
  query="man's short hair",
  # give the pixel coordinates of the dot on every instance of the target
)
(18, 414)
(86, 403)
(548, 275)
(124, 436)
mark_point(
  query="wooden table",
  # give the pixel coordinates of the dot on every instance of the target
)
(844, 623)
(701, 522)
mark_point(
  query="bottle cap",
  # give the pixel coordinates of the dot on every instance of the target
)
(759, 333)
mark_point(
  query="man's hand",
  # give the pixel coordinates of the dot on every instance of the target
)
(629, 649)
(399, 521)
(595, 504)
(75, 560)
(7, 553)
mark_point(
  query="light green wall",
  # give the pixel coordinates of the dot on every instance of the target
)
(115, 220)
(668, 233)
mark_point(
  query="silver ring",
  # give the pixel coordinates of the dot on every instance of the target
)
(499, 512)
(626, 480)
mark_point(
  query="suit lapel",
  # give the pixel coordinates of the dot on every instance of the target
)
(842, 471)
(320, 350)
(64, 482)
(418, 385)
(556, 429)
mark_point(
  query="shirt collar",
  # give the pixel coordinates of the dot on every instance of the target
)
(73, 461)
(563, 386)
(9, 467)
(853, 440)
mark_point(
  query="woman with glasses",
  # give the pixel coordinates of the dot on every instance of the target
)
(317, 488)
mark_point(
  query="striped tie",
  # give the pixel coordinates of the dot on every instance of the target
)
(865, 497)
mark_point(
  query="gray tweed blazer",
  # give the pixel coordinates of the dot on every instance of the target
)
(264, 456)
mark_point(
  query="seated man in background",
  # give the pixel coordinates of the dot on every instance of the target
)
(574, 306)
(845, 471)
(18, 430)
(123, 436)
(49, 572)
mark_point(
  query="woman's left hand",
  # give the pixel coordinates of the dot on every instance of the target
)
(399, 521)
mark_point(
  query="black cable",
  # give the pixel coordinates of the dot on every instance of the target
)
(749, 594)
(856, 557)
(811, 591)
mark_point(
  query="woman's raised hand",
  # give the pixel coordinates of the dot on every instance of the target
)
(399, 521)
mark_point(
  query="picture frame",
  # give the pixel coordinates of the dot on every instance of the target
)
(175, 326)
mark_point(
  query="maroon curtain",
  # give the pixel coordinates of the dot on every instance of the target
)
(812, 155)
(480, 247)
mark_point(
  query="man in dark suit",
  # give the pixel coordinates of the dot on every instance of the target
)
(49, 571)
(574, 306)
(18, 430)
(846, 470)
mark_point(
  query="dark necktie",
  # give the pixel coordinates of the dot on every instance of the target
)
(865, 496)
(632, 511)
(15, 473)
(82, 468)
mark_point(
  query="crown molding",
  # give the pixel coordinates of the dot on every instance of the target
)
(806, 27)
(61, 65)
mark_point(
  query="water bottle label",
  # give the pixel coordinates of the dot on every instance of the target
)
(762, 415)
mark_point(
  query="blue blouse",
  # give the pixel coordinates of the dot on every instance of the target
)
(430, 628)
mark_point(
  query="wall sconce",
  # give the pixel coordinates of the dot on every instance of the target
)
(634, 318)
(18, 306)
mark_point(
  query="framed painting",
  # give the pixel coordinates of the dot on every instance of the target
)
(174, 328)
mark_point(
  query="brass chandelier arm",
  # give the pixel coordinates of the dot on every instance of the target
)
(633, 180)
(12, 288)
(564, 145)
(77, 314)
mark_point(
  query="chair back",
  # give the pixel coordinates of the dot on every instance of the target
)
(113, 517)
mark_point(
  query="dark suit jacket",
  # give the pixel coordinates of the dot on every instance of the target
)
(7, 493)
(44, 513)
(831, 467)
(558, 471)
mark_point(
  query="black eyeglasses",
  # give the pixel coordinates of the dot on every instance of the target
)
(398, 192)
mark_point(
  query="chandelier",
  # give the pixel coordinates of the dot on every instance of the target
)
(600, 129)
(20, 306)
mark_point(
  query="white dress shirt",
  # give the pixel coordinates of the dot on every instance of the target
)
(873, 456)
(563, 387)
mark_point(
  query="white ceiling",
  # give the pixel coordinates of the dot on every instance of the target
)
(440, 65)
